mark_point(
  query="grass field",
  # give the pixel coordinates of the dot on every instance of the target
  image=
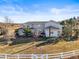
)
(29, 48)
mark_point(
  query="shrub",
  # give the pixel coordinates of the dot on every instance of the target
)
(28, 32)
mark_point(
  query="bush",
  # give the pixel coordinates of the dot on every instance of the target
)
(28, 32)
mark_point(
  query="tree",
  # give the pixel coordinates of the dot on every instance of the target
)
(28, 32)
(69, 26)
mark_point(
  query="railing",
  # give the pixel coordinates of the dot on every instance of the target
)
(41, 56)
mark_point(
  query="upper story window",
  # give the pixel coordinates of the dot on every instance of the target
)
(58, 33)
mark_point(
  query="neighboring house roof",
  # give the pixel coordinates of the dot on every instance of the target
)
(41, 21)
(36, 22)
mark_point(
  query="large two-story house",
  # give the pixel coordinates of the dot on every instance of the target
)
(50, 28)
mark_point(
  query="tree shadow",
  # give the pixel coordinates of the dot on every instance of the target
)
(20, 40)
(47, 41)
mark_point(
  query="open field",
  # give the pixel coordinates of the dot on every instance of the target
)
(28, 48)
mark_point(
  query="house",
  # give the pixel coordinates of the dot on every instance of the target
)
(36, 27)
(50, 28)
(53, 29)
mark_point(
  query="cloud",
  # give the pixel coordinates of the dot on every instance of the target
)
(11, 12)
(63, 11)
(17, 14)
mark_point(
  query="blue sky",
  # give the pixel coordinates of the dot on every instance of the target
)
(21, 11)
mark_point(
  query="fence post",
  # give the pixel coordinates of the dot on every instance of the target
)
(18, 56)
(31, 56)
(46, 56)
(74, 53)
(6, 56)
(34, 56)
(42, 56)
(61, 55)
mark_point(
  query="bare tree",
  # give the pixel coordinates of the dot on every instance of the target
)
(7, 36)
(8, 20)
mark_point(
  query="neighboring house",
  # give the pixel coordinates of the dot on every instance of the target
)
(50, 28)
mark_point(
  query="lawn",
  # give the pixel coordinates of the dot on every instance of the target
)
(28, 48)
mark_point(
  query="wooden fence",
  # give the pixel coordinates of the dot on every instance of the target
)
(40, 56)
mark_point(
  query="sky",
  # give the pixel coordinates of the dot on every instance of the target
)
(20, 11)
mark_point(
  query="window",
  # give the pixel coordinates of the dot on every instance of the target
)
(58, 33)
(51, 32)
